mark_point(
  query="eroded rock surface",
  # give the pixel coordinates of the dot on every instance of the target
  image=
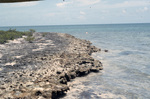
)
(41, 70)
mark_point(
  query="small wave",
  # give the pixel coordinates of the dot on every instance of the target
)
(147, 35)
(130, 52)
(126, 53)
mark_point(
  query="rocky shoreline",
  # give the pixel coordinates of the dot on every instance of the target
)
(41, 70)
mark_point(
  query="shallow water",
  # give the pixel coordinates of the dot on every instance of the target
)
(126, 73)
(116, 81)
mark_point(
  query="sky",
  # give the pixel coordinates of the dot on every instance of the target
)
(70, 12)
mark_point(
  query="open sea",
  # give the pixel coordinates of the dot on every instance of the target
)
(126, 73)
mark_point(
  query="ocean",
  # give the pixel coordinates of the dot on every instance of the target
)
(126, 73)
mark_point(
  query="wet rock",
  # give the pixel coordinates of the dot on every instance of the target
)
(94, 69)
(105, 50)
(83, 71)
(73, 75)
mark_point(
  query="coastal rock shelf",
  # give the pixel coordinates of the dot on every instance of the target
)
(41, 69)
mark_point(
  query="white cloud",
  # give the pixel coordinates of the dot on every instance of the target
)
(106, 4)
(88, 2)
(145, 8)
(142, 9)
(124, 11)
(22, 4)
(132, 3)
(81, 17)
(63, 4)
(82, 13)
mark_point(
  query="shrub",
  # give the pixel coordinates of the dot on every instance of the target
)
(12, 34)
(2, 41)
(29, 35)
(30, 39)
(32, 30)
(12, 30)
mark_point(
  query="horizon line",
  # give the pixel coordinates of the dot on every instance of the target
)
(77, 24)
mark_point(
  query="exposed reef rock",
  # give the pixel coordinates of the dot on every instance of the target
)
(41, 70)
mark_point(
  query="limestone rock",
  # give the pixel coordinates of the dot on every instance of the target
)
(41, 69)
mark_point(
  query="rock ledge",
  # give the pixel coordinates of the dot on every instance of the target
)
(41, 70)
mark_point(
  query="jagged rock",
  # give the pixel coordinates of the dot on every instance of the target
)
(94, 69)
(41, 69)
(72, 75)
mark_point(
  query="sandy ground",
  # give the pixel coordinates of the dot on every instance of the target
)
(1, 55)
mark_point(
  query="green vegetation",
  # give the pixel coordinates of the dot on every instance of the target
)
(12, 34)
(30, 39)
(44, 34)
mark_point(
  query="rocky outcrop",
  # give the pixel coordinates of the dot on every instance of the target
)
(41, 70)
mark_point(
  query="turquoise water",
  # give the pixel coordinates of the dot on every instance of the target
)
(126, 73)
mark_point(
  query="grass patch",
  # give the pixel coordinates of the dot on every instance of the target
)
(12, 34)
(30, 39)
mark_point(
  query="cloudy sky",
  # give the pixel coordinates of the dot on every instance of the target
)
(59, 12)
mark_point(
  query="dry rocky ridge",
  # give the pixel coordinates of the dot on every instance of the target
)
(41, 70)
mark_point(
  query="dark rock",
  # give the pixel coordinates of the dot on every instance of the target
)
(58, 72)
(38, 93)
(83, 72)
(105, 50)
(73, 75)
(94, 69)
